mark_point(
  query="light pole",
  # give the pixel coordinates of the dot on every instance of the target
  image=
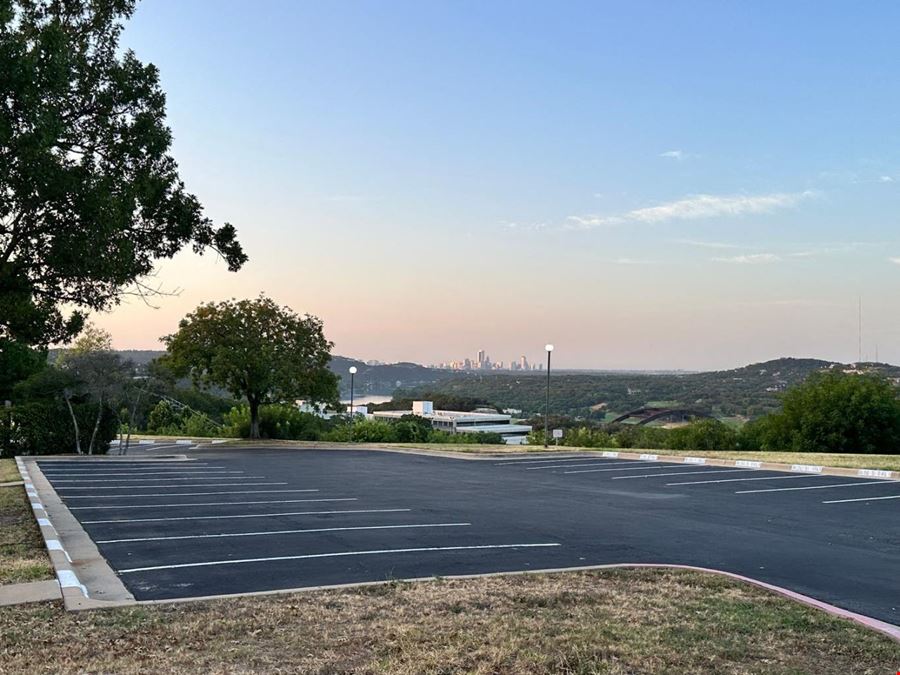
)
(549, 349)
(352, 373)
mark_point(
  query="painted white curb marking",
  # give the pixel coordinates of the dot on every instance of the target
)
(67, 579)
(806, 468)
(874, 473)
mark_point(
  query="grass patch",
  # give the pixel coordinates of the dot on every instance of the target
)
(848, 461)
(22, 554)
(618, 621)
(8, 471)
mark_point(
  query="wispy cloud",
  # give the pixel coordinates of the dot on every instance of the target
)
(751, 259)
(694, 207)
(885, 179)
(677, 155)
(895, 260)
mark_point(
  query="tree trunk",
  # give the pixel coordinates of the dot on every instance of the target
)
(131, 419)
(74, 425)
(96, 425)
(254, 418)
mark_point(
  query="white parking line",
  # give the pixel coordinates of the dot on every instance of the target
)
(265, 533)
(817, 487)
(187, 494)
(311, 556)
(150, 487)
(629, 468)
(246, 515)
(170, 472)
(737, 480)
(118, 462)
(861, 499)
(181, 505)
(569, 466)
(547, 461)
(683, 473)
(151, 480)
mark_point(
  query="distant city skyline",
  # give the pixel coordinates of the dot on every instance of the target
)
(483, 361)
(647, 185)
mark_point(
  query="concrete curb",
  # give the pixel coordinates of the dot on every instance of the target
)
(814, 469)
(32, 591)
(75, 558)
(65, 576)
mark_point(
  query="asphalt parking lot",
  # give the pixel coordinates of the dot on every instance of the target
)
(237, 521)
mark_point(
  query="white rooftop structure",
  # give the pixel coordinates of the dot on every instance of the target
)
(456, 422)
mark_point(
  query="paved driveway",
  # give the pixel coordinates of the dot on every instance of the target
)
(235, 521)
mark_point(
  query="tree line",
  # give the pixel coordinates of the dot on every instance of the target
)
(831, 411)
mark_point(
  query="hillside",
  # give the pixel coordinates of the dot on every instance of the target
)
(372, 380)
(383, 379)
(749, 391)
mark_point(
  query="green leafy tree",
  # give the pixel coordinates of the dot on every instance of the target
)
(833, 412)
(256, 350)
(90, 197)
(18, 361)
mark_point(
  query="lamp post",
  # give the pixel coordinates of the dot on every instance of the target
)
(352, 373)
(549, 349)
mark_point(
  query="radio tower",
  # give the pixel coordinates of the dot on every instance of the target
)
(859, 333)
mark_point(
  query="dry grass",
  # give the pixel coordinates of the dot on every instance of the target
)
(22, 553)
(8, 471)
(849, 461)
(639, 621)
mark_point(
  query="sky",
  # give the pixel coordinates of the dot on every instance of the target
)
(645, 184)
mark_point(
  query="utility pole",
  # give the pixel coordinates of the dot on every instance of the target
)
(549, 349)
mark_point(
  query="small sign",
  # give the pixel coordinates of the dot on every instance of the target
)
(557, 433)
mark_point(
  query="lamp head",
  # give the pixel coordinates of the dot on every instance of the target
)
(548, 347)
(353, 370)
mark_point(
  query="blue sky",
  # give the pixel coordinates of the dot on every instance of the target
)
(647, 184)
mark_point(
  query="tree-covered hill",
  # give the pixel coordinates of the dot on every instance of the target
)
(749, 391)
(383, 379)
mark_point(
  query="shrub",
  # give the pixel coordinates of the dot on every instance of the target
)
(45, 428)
(469, 437)
(703, 435)
(280, 421)
(833, 412)
(198, 424)
(165, 419)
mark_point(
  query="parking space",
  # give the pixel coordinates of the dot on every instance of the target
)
(233, 521)
(174, 528)
(722, 480)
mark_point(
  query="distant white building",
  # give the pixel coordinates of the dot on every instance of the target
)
(456, 422)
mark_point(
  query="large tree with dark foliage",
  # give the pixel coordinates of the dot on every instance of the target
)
(256, 350)
(89, 196)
